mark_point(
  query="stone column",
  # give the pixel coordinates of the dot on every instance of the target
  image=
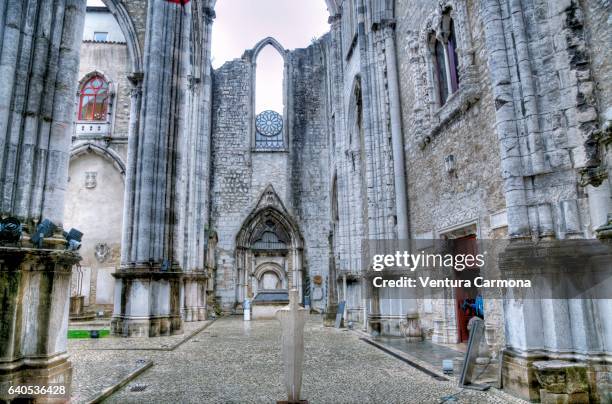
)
(332, 296)
(505, 125)
(135, 108)
(39, 59)
(550, 329)
(397, 138)
(297, 272)
(147, 302)
(194, 189)
(194, 296)
(344, 297)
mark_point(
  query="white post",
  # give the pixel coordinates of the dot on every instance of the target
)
(292, 319)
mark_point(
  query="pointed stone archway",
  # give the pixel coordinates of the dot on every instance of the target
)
(269, 242)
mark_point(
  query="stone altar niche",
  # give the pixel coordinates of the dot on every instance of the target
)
(267, 304)
(269, 243)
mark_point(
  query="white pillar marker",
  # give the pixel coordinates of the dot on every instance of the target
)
(292, 319)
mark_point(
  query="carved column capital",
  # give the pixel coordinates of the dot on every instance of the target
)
(136, 80)
(209, 15)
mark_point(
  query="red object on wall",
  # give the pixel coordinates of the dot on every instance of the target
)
(182, 2)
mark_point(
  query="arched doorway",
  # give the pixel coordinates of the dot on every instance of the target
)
(269, 250)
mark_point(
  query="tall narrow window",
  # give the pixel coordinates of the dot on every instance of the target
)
(93, 104)
(441, 75)
(451, 48)
(269, 103)
(445, 61)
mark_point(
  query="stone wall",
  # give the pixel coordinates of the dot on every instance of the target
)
(299, 175)
(310, 168)
(471, 196)
(96, 209)
(111, 60)
(137, 12)
(232, 170)
(103, 156)
(597, 32)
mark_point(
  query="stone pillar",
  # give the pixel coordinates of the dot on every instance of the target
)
(135, 108)
(194, 295)
(505, 125)
(38, 68)
(39, 59)
(194, 179)
(332, 296)
(296, 255)
(147, 298)
(541, 331)
(397, 138)
(35, 291)
(344, 297)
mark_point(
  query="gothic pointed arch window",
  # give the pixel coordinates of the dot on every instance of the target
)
(440, 70)
(453, 61)
(94, 99)
(443, 46)
(269, 99)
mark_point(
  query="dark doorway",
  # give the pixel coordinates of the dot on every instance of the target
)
(468, 302)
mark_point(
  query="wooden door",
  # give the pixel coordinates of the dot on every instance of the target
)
(465, 296)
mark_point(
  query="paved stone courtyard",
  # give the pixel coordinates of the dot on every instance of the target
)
(232, 361)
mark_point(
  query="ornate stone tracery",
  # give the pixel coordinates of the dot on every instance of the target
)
(437, 28)
(269, 240)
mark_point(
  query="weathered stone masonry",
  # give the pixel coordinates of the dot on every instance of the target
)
(299, 174)
(528, 127)
(39, 60)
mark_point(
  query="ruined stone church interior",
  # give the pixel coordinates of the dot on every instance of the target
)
(180, 177)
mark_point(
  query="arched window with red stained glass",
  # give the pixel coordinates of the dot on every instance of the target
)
(94, 99)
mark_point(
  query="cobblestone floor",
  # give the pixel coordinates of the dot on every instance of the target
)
(237, 362)
(101, 363)
(94, 372)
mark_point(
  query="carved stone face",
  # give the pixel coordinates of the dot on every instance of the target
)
(102, 252)
(91, 179)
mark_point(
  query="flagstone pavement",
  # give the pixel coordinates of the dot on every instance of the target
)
(233, 361)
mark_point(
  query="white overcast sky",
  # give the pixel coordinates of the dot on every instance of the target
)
(240, 24)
